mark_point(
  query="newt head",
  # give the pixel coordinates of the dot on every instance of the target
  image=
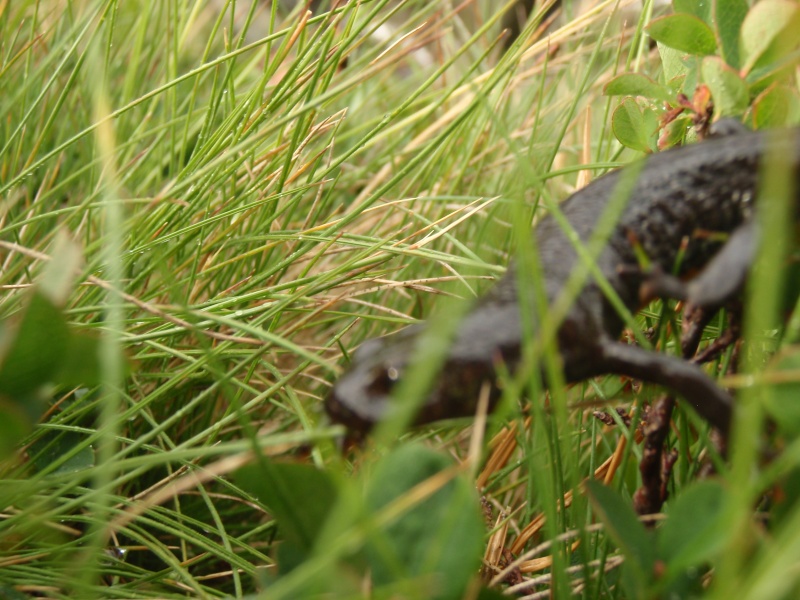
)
(363, 394)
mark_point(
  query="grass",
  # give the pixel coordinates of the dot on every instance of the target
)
(255, 192)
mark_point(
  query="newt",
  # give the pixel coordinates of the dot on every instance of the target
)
(710, 186)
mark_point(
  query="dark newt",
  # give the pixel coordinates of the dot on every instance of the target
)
(709, 186)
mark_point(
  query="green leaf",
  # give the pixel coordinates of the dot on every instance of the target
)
(701, 10)
(52, 446)
(289, 556)
(781, 400)
(728, 88)
(491, 594)
(696, 530)
(780, 71)
(436, 540)
(622, 526)
(32, 349)
(298, 496)
(15, 424)
(633, 127)
(728, 16)
(760, 37)
(777, 106)
(684, 32)
(680, 69)
(81, 363)
(676, 132)
(634, 84)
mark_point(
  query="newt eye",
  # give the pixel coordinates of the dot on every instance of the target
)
(383, 380)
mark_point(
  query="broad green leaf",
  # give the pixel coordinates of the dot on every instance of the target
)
(684, 32)
(680, 69)
(695, 531)
(634, 84)
(782, 399)
(632, 127)
(436, 540)
(676, 133)
(491, 594)
(32, 349)
(729, 90)
(53, 446)
(779, 72)
(624, 528)
(701, 10)
(728, 17)
(622, 524)
(289, 556)
(15, 424)
(298, 496)
(762, 28)
(777, 106)
(81, 363)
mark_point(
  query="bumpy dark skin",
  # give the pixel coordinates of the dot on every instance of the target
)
(710, 186)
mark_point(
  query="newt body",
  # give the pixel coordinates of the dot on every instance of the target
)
(710, 186)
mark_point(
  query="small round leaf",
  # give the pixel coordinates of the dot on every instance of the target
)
(728, 88)
(684, 32)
